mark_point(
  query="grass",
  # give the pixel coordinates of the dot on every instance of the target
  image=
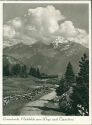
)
(21, 86)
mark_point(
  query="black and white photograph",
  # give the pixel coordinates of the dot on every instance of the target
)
(46, 59)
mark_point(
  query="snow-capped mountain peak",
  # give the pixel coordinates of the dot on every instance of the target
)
(59, 41)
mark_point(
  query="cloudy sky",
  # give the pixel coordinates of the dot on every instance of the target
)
(30, 23)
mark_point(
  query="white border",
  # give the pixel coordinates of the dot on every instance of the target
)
(1, 46)
(56, 2)
(76, 120)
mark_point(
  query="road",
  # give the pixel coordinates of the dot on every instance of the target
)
(31, 107)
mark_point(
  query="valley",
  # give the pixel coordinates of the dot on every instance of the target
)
(31, 75)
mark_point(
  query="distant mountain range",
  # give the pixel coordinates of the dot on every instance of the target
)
(52, 58)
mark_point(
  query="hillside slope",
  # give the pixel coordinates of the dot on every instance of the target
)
(49, 58)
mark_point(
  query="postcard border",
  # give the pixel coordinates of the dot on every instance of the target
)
(76, 119)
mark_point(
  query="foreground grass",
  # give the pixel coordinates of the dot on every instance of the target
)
(19, 91)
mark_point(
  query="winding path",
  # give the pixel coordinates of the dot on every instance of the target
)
(31, 107)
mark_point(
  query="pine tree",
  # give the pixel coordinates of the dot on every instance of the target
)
(30, 71)
(62, 87)
(81, 90)
(38, 73)
(83, 80)
(67, 81)
(24, 71)
(16, 69)
(83, 75)
(35, 72)
(69, 75)
(6, 71)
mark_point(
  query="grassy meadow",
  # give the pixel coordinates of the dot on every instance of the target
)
(19, 91)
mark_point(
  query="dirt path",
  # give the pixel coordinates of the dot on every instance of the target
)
(31, 107)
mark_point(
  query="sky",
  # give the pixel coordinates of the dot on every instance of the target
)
(45, 22)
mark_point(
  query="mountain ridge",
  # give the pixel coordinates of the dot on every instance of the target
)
(48, 58)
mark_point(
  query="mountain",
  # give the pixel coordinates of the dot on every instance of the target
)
(59, 41)
(51, 58)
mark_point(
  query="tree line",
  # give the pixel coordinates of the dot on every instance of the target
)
(20, 70)
(77, 86)
(24, 71)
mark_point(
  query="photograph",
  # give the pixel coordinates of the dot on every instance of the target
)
(45, 59)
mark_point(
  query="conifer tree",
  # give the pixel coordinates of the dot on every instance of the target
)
(16, 69)
(6, 71)
(35, 72)
(24, 71)
(67, 81)
(62, 88)
(83, 74)
(81, 90)
(69, 75)
(30, 71)
(38, 73)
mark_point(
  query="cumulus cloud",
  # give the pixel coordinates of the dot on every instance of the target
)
(67, 29)
(8, 31)
(81, 37)
(44, 24)
(16, 23)
(46, 19)
(12, 28)
(12, 42)
(30, 28)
